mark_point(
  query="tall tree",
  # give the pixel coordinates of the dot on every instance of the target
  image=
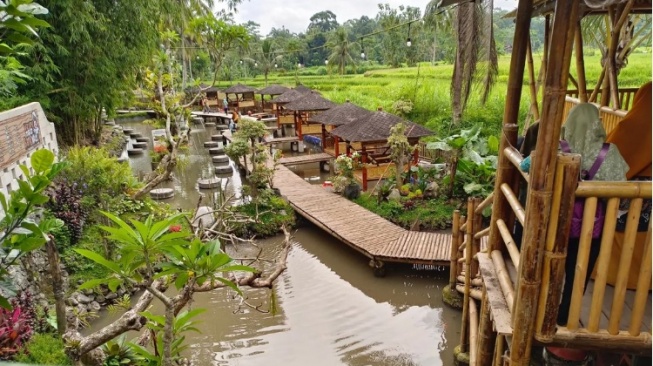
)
(341, 48)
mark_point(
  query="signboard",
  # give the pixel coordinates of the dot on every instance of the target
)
(18, 136)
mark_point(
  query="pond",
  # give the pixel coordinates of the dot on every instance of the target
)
(331, 310)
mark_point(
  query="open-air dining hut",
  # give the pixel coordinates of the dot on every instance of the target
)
(244, 97)
(570, 296)
(271, 90)
(372, 132)
(337, 116)
(285, 117)
(213, 94)
(303, 108)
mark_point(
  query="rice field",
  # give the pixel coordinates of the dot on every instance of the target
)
(427, 86)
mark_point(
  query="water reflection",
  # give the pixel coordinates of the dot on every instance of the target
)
(331, 310)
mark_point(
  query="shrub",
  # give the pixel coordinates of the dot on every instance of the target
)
(16, 325)
(66, 204)
(273, 212)
(44, 349)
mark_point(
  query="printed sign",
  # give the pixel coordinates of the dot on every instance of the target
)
(18, 136)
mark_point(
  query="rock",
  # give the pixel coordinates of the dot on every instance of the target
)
(72, 301)
(203, 217)
(111, 296)
(81, 309)
(394, 195)
(120, 292)
(88, 292)
(352, 191)
(101, 299)
(83, 299)
(431, 190)
(94, 306)
(162, 193)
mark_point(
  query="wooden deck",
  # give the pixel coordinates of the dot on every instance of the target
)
(280, 140)
(305, 159)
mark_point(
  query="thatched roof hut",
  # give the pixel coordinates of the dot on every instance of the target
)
(310, 102)
(239, 89)
(287, 97)
(303, 89)
(273, 89)
(340, 115)
(376, 127)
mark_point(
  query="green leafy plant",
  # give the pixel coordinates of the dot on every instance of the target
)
(120, 353)
(44, 349)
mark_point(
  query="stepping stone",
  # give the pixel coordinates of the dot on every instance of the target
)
(135, 135)
(142, 139)
(122, 159)
(226, 169)
(131, 152)
(216, 137)
(220, 159)
(197, 120)
(127, 131)
(209, 183)
(209, 124)
(162, 193)
(221, 127)
(110, 123)
(216, 151)
(140, 145)
(211, 144)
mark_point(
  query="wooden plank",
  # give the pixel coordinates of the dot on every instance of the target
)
(496, 300)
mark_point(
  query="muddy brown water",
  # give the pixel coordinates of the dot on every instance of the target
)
(331, 310)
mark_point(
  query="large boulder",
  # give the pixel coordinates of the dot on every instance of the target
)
(204, 217)
(394, 195)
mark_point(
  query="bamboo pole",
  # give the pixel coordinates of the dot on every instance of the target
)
(487, 335)
(580, 64)
(509, 242)
(516, 158)
(597, 88)
(461, 238)
(473, 332)
(513, 201)
(607, 240)
(476, 241)
(643, 284)
(474, 293)
(504, 278)
(539, 195)
(555, 249)
(582, 263)
(482, 233)
(464, 332)
(453, 271)
(535, 108)
(476, 281)
(624, 265)
(498, 351)
(486, 202)
(612, 52)
(614, 189)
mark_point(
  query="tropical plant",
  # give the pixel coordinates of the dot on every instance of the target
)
(341, 50)
(44, 349)
(120, 353)
(266, 58)
(400, 149)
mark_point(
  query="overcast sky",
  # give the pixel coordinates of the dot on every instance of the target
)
(295, 14)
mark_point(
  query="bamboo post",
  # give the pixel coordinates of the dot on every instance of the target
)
(555, 250)
(461, 239)
(476, 242)
(624, 265)
(535, 108)
(504, 279)
(513, 201)
(580, 64)
(607, 240)
(612, 52)
(539, 193)
(464, 332)
(473, 332)
(643, 284)
(498, 351)
(509, 242)
(455, 229)
(487, 336)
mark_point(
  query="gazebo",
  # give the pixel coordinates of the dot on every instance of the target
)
(372, 132)
(246, 99)
(271, 90)
(213, 94)
(279, 101)
(302, 108)
(337, 116)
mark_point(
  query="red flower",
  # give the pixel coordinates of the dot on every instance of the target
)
(160, 149)
(174, 228)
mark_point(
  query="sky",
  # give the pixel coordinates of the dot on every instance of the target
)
(295, 14)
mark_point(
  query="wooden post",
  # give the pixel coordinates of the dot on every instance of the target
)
(538, 203)
(455, 231)
(580, 64)
(643, 284)
(555, 251)
(473, 332)
(535, 109)
(278, 116)
(487, 336)
(57, 284)
(298, 125)
(498, 351)
(612, 51)
(475, 242)
(364, 160)
(336, 147)
(464, 331)
(323, 137)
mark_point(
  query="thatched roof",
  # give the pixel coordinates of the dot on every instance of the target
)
(376, 127)
(340, 115)
(208, 89)
(543, 7)
(302, 89)
(287, 97)
(239, 89)
(310, 102)
(273, 89)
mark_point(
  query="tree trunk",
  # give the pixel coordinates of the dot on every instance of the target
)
(400, 170)
(57, 285)
(168, 336)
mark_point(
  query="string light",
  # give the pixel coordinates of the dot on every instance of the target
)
(275, 65)
(362, 49)
(326, 62)
(241, 62)
(408, 42)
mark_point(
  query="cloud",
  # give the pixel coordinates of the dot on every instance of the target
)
(295, 14)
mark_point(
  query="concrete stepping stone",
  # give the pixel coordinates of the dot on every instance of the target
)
(197, 120)
(142, 139)
(135, 135)
(224, 169)
(209, 124)
(128, 131)
(220, 159)
(216, 137)
(140, 145)
(216, 151)
(162, 193)
(132, 152)
(211, 144)
(209, 183)
(221, 127)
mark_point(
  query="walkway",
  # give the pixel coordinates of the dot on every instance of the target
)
(304, 159)
(366, 232)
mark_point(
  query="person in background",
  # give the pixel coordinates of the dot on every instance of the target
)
(235, 118)
(225, 105)
(205, 105)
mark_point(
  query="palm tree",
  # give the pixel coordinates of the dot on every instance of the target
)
(341, 49)
(266, 58)
(439, 20)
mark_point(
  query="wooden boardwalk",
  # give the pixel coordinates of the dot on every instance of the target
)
(359, 228)
(305, 159)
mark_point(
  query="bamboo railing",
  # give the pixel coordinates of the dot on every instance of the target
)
(625, 95)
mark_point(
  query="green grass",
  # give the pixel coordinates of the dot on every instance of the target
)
(427, 86)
